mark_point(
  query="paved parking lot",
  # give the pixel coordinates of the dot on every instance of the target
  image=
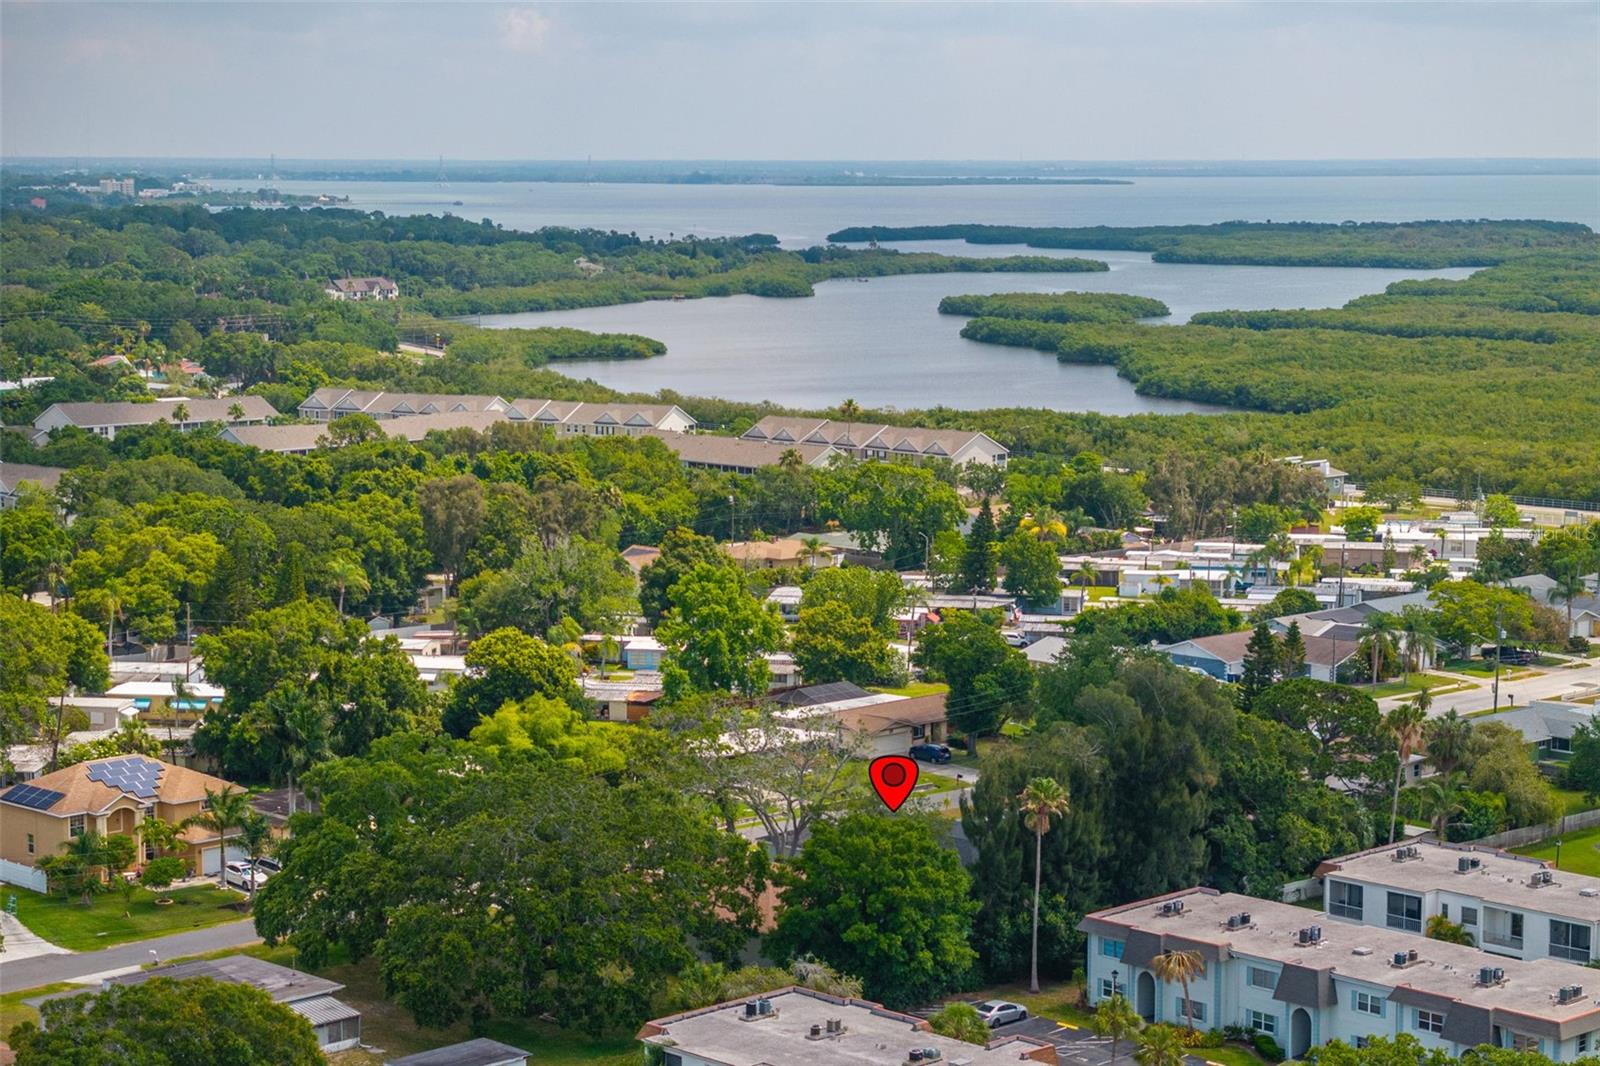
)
(1078, 1047)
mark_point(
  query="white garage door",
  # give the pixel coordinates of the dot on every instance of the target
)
(211, 863)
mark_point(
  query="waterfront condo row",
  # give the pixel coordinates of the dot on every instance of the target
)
(1363, 967)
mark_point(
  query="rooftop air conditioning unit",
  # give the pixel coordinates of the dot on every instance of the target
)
(1399, 958)
(1486, 975)
(764, 1006)
(1463, 864)
(750, 1009)
(1569, 993)
(1411, 955)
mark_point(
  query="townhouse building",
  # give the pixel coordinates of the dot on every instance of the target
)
(872, 440)
(1513, 906)
(1307, 980)
(106, 419)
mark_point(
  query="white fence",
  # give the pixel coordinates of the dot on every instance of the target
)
(14, 873)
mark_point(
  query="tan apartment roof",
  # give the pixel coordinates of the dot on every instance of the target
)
(14, 474)
(127, 413)
(81, 795)
(700, 449)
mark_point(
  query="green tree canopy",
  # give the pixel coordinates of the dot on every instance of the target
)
(508, 665)
(162, 1022)
(882, 898)
(717, 635)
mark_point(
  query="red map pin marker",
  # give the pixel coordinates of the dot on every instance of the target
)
(893, 777)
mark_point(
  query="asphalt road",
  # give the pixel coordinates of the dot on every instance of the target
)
(48, 969)
(1552, 683)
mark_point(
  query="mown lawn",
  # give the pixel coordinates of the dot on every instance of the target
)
(1580, 851)
(916, 688)
(69, 924)
(1416, 683)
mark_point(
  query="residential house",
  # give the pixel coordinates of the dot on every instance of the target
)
(1307, 980)
(1222, 656)
(1045, 651)
(479, 1052)
(1585, 607)
(1546, 725)
(639, 556)
(337, 1025)
(106, 796)
(871, 440)
(787, 599)
(777, 554)
(14, 475)
(106, 419)
(798, 1027)
(362, 289)
(1333, 478)
(621, 702)
(1512, 905)
(884, 723)
(641, 653)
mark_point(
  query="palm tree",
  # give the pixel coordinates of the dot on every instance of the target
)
(1444, 537)
(1160, 1045)
(1042, 800)
(180, 414)
(1044, 524)
(849, 410)
(1087, 574)
(1377, 635)
(344, 570)
(1183, 967)
(813, 548)
(303, 728)
(1417, 627)
(1116, 1020)
(1569, 585)
(1441, 798)
(84, 855)
(255, 836)
(1447, 740)
(1405, 725)
(236, 411)
(222, 812)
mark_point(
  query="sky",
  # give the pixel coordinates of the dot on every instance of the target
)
(1100, 81)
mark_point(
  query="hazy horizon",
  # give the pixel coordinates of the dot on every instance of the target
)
(1104, 82)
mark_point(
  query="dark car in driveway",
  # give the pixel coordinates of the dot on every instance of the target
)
(930, 753)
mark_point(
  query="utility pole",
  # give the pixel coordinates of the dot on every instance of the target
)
(1499, 638)
(732, 536)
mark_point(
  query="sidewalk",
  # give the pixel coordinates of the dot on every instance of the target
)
(22, 942)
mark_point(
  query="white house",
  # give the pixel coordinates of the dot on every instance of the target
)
(362, 289)
(106, 419)
(1307, 980)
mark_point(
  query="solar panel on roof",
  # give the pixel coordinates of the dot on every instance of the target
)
(135, 775)
(32, 796)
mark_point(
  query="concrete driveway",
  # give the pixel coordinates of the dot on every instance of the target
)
(1077, 1046)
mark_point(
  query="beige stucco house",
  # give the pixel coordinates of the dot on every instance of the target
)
(106, 796)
